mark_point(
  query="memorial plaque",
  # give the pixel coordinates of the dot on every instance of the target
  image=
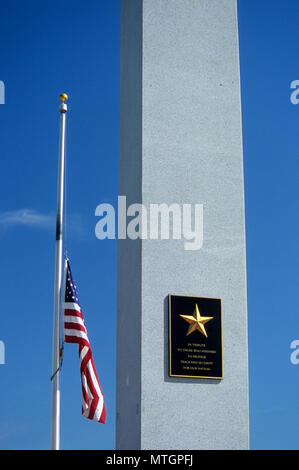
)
(195, 337)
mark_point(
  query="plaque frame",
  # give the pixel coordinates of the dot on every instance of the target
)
(189, 376)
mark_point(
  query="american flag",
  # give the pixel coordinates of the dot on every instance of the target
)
(93, 406)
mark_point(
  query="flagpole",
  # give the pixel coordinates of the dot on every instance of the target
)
(55, 436)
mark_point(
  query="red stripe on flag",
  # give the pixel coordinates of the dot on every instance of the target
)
(73, 313)
(74, 326)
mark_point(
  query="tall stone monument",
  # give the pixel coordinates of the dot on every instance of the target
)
(181, 143)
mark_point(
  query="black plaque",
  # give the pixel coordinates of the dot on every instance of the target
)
(195, 337)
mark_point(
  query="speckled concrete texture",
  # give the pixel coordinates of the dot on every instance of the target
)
(181, 142)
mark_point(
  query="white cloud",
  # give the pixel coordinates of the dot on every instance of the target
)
(33, 219)
(27, 217)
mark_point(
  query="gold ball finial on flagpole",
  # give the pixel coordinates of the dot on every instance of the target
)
(63, 106)
(63, 97)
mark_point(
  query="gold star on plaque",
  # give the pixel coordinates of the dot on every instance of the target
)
(196, 322)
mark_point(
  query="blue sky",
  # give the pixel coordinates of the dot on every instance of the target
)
(53, 46)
